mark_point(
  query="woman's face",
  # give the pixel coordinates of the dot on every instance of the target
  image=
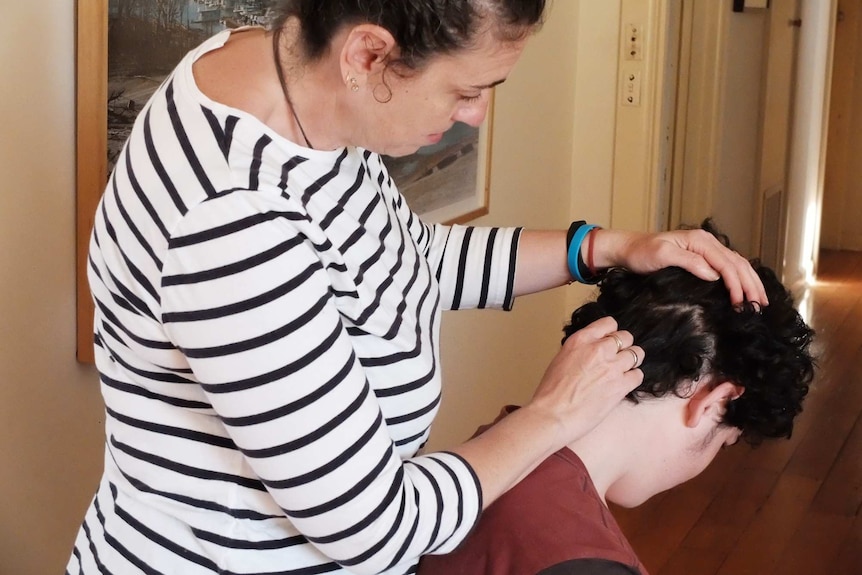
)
(451, 88)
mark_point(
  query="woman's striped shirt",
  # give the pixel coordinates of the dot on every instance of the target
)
(266, 333)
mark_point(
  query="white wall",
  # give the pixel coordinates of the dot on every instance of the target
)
(50, 408)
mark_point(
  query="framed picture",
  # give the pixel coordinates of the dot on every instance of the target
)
(125, 50)
(91, 151)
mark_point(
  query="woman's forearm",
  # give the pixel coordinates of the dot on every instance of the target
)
(541, 261)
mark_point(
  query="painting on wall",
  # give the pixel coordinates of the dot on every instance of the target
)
(126, 49)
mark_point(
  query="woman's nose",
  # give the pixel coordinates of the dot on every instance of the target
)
(472, 113)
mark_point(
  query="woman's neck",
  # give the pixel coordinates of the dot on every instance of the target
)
(309, 92)
(243, 75)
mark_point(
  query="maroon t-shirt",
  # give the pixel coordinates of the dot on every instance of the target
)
(551, 523)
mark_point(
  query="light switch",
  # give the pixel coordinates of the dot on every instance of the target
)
(631, 88)
(633, 42)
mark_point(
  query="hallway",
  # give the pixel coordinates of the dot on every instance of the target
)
(790, 506)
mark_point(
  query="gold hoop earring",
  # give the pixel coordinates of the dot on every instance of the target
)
(382, 93)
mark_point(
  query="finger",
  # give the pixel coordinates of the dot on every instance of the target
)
(599, 329)
(632, 379)
(620, 339)
(630, 358)
(712, 254)
(733, 282)
(697, 264)
(753, 288)
(732, 268)
(747, 284)
(739, 276)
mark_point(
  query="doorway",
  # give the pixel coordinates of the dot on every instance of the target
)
(733, 122)
(751, 129)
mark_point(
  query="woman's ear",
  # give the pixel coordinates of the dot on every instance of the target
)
(709, 404)
(366, 51)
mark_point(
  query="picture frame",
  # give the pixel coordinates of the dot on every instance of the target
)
(448, 182)
(91, 143)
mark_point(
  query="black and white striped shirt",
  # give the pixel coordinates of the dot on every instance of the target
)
(266, 332)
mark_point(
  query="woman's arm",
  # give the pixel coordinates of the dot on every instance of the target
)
(477, 268)
(542, 259)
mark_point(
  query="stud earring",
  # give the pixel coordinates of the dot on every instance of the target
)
(354, 85)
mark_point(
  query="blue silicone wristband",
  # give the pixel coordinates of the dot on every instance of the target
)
(575, 251)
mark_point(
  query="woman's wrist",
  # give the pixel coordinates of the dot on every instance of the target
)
(581, 253)
(602, 256)
(609, 247)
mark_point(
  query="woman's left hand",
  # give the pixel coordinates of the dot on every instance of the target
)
(697, 251)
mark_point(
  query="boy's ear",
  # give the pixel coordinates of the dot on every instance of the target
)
(709, 404)
(366, 50)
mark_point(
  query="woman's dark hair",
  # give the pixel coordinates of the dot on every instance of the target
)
(689, 331)
(422, 28)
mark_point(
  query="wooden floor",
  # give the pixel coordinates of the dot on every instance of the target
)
(790, 506)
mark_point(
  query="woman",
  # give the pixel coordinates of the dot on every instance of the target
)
(267, 306)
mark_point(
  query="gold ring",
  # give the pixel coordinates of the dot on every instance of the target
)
(618, 340)
(634, 356)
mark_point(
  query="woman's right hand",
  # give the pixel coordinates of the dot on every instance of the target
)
(593, 371)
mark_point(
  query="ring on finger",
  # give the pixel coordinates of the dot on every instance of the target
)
(618, 340)
(634, 357)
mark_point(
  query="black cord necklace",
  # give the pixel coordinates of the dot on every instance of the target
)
(276, 52)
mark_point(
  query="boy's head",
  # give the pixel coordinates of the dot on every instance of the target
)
(733, 372)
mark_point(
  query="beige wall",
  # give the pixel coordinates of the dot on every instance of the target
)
(50, 410)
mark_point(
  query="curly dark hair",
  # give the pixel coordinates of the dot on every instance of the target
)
(689, 331)
(422, 28)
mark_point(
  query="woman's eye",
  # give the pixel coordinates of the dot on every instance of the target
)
(469, 99)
